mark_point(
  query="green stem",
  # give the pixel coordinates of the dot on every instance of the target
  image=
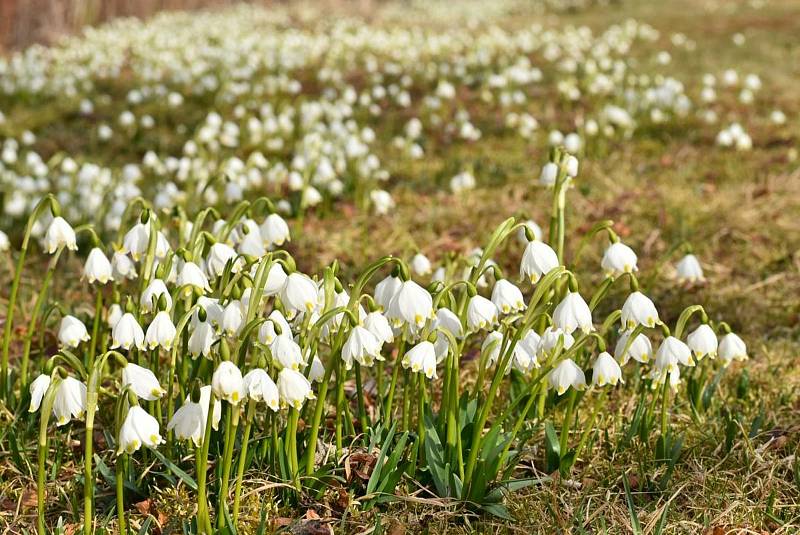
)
(98, 311)
(120, 491)
(407, 390)
(230, 439)
(88, 480)
(664, 402)
(362, 412)
(573, 394)
(242, 460)
(204, 515)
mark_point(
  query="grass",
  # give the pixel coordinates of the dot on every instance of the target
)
(739, 211)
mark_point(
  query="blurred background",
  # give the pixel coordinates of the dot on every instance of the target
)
(25, 22)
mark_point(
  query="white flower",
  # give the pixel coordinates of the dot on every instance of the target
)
(138, 429)
(4, 243)
(672, 352)
(152, 294)
(232, 318)
(386, 289)
(260, 387)
(537, 260)
(549, 174)
(702, 341)
(287, 352)
(550, 339)
(640, 350)
(127, 333)
(507, 297)
(378, 325)
(276, 278)
(566, 374)
(142, 381)
(58, 234)
(421, 358)
(526, 351)
(638, 310)
(481, 313)
(491, 347)
(420, 265)
(534, 229)
(201, 339)
(731, 348)
(446, 319)
(412, 304)
(188, 422)
(114, 315)
(71, 332)
(293, 388)
(122, 267)
(70, 400)
(137, 240)
(38, 389)
(618, 259)
(362, 346)
(267, 331)
(161, 332)
(274, 230)
(97, 267)
(227, 382)
(191, 275)
(573, 313)
(299, 293)
(218, 257)
(606, 370)
(317, 372)
(571, 164)
(689, 269)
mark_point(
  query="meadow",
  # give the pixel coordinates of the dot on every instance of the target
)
(508, 267)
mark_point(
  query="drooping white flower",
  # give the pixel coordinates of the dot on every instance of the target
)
(142, 381)
(274, 230)
(299, 293)
(139, 429)
(293, 388)
(361, 346)
(641, 350)
(672, 352)
(731, 348)
(507, 297)
(689, 270)
(317, 371)
(137, 241)
(573, 313)
(549, 174)
(232, 318)
(70, 401)
(566, 374)
(702, 341)
(71, 332)
(188, 422)
(227, 382)
(122, 267)
(152, 294)
(481, 313)
(58, 234)
(276, 278)
(412, 304)
(4, 242)
(606, 370)
(537, 260)
(386, 289)
(446, 319)
(97, 267)
(287, 352)
(618, 259)
(550, 339)
(114, 315)
(260, 387)
(378, 325)
(201, 338)
(161, 332)
(421, 358)
(491, 347)
(127, 333)
(638, 309)
(534, 230)
(218, 257)
(420, 265)
(38, 389)
(267, 332)
(192, 276)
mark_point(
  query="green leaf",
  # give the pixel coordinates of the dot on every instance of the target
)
(553, 448)
(635, 525)
(186, 478)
